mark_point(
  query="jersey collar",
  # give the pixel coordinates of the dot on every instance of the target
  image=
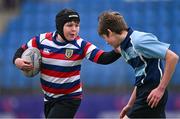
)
(60, 43)
(127, 39)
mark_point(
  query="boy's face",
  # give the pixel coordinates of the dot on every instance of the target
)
(71, 30)
(111, 39)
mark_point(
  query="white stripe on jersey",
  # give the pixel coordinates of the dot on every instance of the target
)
(42, 37)
(60, 80)
(49, 94)
(59, 62)
(160, 70)
(29, 44)
(79, 42)
(78, 90)
(56, 96)
(45, 100)
(90, 49)
(52, 44)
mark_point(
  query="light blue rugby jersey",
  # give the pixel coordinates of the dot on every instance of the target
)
(143, 51)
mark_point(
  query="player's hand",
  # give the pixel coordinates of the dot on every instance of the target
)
(23, 65)
(117, 50)
(154, 97)
(124, 111)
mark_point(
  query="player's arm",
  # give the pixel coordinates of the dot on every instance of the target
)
(20, 63)
(170, 64)
(171, 60)
(150, 47)
(94, 54)
(132, 98)
(129, 104)
(108, 57)
(18, 54)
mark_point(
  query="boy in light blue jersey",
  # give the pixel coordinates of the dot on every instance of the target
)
(144, 53)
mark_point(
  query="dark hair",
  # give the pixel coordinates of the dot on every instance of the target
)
(64, 16)
(111, 20)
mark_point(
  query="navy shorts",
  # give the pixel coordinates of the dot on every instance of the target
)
(61, 108)
(141, 109)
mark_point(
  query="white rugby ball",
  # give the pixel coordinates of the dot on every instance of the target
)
(33, 56)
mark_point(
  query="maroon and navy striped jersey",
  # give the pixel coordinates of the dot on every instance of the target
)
(61, 64)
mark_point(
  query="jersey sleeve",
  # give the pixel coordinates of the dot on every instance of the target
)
(91, 52)
(33, 42)
(149, 46)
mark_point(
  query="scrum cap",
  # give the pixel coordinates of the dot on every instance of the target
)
(64, 16)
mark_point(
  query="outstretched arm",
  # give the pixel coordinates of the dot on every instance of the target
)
(171, 60)
(108, 57)
(129, 104)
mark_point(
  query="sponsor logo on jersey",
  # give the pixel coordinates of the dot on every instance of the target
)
(68, 53)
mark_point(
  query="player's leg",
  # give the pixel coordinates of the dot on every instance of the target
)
(64, 109)
(146, 112)
(47, 107)
(126, 117)
(141, 109)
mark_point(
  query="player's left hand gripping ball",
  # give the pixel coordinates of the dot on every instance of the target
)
(33, 56)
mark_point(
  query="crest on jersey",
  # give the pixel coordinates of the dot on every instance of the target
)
(68, 53)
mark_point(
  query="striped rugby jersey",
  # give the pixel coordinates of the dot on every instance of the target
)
(144, 52)
(61, 64)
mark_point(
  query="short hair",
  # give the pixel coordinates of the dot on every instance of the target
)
(111, 20)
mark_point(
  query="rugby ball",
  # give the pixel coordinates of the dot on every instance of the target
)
(33, 56)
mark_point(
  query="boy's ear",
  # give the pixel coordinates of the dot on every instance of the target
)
(109, 32)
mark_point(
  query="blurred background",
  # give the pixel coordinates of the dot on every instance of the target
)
(106, 88)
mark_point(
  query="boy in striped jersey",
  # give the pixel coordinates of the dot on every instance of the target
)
(144, 53)
(62, 54)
